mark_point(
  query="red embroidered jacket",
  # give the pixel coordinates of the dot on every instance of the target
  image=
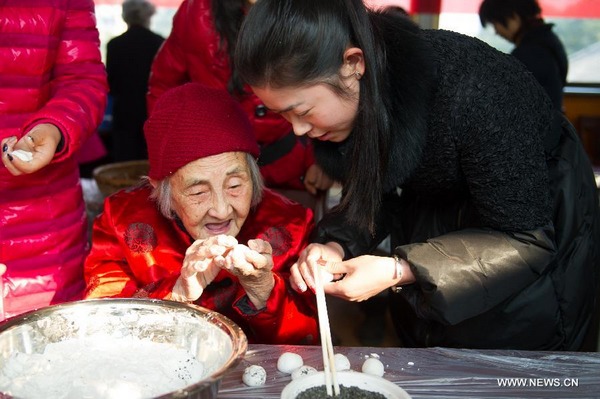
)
(138, 252)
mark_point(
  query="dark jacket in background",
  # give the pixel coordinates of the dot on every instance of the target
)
(544, 55)
(128, 60)
(497, 213)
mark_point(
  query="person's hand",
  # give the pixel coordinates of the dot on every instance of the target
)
(33, 151)
(203, 261)
(301, 272)
(2, 269)
(315, 179)
(365, 276)
(253, 265)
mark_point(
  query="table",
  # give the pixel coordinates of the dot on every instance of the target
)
(440, 372)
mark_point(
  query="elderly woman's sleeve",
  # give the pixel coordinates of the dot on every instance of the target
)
(288, 317)
(109, 269)
(106, 271)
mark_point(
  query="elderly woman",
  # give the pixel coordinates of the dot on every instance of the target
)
(201, 228)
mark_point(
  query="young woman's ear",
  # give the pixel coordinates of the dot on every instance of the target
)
(354, 62)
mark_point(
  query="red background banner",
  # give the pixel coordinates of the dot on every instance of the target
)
(551, 8)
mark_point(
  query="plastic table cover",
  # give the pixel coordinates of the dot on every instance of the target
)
(439, 372)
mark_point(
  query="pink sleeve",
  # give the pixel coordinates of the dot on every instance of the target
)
(78, 86)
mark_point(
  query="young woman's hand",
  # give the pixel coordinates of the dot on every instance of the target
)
(366, 276)
(33, 151)
(301, 272)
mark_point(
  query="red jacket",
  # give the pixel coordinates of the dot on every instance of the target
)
(138, 252)
(50, 72)
(191, 53)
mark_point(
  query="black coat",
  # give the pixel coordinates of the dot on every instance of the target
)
(544, 55)
(496, 210)
(128, 61)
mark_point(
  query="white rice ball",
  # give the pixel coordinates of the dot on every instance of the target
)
(254, 376)
(373, 366)
(238, 258)
(303, 371)
(23, 155)
(341, 362)
(288, 362)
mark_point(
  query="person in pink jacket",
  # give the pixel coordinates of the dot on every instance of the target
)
(199, 49)
(52, 98)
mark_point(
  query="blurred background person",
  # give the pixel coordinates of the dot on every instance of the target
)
(536, 45)
(397, 11)
(200, 49)
(52, 98)
(128, 61)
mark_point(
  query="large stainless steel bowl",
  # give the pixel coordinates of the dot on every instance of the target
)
(214, 340)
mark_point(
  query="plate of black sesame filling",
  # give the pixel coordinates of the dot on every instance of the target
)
(353, 385)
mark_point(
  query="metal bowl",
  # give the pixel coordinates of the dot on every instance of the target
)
(212, 341)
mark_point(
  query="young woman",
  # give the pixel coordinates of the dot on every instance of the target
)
(488, 194)
(536, 45)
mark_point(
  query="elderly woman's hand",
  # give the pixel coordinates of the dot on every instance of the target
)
(253, 266)
(203, 261)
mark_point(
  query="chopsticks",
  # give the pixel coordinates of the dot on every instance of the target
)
(331, 384)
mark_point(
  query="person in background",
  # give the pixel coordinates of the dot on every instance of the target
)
(128, 61)
(52, 98)
(487, 194)
(201, 228)
(536, 45)
(200, 49)
(397, 11)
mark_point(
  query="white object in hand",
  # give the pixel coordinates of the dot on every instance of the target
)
(24, 156)
(238, 256)
(288, 362)
(303, 371)
(373, 366)
(226, 241)
(254, 376)
(341, 362)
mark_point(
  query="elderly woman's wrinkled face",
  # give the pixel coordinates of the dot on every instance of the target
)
(213, 195)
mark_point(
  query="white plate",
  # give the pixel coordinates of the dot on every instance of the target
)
(349, 379)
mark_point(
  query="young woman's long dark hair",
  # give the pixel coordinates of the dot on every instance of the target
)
(286, 43)
(228, 16)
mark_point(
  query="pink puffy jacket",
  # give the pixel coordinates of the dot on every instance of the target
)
(50, 72)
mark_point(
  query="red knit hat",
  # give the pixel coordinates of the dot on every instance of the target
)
(193, 121)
